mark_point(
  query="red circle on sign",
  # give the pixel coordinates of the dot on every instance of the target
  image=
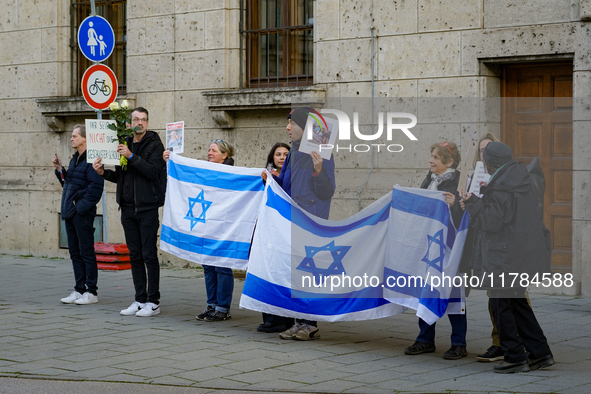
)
(99, 87)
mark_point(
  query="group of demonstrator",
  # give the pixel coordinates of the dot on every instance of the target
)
(505, 230)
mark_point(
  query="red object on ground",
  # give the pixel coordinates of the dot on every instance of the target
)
(110, 248)
(113, 266)
(112, 256)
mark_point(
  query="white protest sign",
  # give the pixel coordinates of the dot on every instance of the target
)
(175, 137)
(480, 175)
(101, 141)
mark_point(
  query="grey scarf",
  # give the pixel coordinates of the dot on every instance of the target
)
(437, 180)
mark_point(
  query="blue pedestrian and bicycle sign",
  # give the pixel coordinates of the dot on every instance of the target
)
(96, 38)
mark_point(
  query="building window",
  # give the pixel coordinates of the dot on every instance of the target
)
(278, 36)
(115, 12)
(98, 231)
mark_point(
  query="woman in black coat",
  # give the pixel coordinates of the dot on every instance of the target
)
(443, 176)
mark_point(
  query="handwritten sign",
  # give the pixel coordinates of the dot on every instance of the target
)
(480, 175)
(101, 142)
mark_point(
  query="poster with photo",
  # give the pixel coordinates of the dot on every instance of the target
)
(175, 136)
(323, 137)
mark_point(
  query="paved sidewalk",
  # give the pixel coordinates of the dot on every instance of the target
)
(42, 338)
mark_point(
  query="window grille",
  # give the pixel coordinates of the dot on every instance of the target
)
(279, 39)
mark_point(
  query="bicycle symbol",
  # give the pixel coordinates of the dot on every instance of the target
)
(96, 86)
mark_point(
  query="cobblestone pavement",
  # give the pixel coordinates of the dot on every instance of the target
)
(44, 339)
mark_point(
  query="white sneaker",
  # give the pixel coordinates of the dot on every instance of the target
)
(87, 298)
(149, 309)
(132, 309)
(71, 298)
(290, 332)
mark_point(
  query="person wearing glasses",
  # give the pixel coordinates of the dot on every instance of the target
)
(494, 352)
(443, 176)
(140, 192)
(219, 281)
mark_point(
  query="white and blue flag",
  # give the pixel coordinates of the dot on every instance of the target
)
(210, 211)
(311, 268)
(423, 254)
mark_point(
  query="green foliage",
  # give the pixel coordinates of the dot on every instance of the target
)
(122, 116)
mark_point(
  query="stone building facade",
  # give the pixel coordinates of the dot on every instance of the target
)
(187, 60)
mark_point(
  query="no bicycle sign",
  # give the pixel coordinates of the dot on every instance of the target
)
(99, 86)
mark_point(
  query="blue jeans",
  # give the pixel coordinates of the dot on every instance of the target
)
(459, 326)
(219, 283)
(80, 232)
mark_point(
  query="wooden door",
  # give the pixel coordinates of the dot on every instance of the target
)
(537, 122)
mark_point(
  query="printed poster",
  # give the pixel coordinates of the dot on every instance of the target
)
(175, 133)
(323, 137)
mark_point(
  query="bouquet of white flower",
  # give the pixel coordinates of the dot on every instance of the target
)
(121, 114)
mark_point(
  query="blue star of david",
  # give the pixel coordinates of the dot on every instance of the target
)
(336, 268)
(204, 207)
(437, 262)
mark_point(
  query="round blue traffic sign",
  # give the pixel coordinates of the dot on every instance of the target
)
(96, 38)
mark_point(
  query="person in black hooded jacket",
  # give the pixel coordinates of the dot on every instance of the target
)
(512, 239)
(82, 190)
(140, 192)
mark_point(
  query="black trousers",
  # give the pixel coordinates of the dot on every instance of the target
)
(141, 234)
(80, 232)
(518, 329)
(275, 320)
(309, 322)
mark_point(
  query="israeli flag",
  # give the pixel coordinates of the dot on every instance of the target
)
(306, 267)
(210, 211)
(423, 254)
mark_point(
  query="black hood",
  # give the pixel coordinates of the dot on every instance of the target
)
(512, 177)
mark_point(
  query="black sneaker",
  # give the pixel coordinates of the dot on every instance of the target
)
(455, 352)
(493, 353)
(208, 311)
(419, 348)
(269, 327)
(217, 316)
(506, 367)
(542, 362)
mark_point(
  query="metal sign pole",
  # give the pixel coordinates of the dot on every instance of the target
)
(99, 116)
